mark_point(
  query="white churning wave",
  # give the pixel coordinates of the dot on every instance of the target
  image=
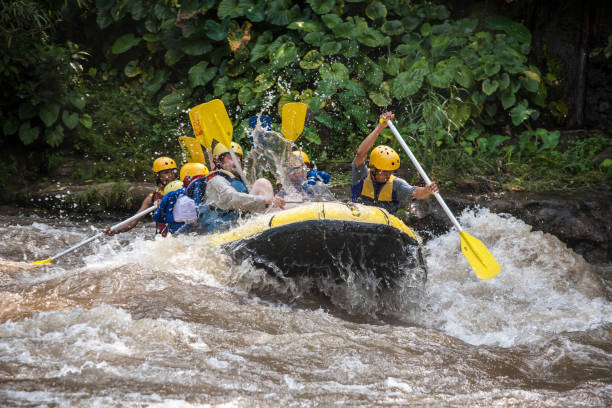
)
(543, 289)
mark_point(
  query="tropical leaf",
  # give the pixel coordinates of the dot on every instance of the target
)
(124, 43)
(390, 64)
(200, 74)
(233, 8)
(520, 113)
(381, 97)
(371, 37)
(331, 48)
(284, 55)
(406, 84)
(489, 86)
(70, 119)
(49, 113)
(263, 82)
(321, 6)
(78, 100)
(196, 47)
(10, 126)
(261, 46)
(245, 94)
(392, 27)
(216, 31)
(508, 99)
(86, 121)
(376, 10)
(312, 60)
(27, 133)
(132, 69)
(55, 136)
(512, 28)
(172, 103)
(337, 72)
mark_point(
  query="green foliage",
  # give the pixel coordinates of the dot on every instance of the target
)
(453, 84)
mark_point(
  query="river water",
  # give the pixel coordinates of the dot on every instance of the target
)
(135, 321)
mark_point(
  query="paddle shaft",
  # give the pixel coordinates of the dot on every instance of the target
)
(423, 174)
(114, 227)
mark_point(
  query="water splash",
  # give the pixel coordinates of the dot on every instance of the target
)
(544, 288)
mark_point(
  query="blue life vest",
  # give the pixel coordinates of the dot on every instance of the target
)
(211, 218)
(321, 176)
(196, 190)
(164, 213)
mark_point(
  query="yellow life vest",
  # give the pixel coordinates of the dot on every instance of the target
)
(385, 193)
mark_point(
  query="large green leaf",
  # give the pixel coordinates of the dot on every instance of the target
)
(331, 20)
(406, 84)
(48, 113)
(261, 46)
(216, 31)
(382, 96)
(172, 56)
(200, 74)
(172, 103)
(490, 86)
(233, 8)
(520, 113)
(55, 136)
(263, 82)
(508, 99)
(27, 133)
(245, 94)
(442, 75)
(337, 72)
(132, 69)
(371, 37)
(70, 119)
(392, 27)
(390, 64)
(86, 121)
(78, 100)
(312, 60)
(513, 29)
(124, 43)
(331, 48)
(376, 10)
(322, 6)
(316, 39)
(10, 126)
(284, 55)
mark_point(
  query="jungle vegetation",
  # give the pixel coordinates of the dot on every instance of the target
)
(106, 85)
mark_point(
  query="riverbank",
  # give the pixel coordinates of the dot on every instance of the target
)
(580, 219)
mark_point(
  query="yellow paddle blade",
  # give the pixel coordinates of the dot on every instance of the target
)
(211, 122)
(192, 149)
(293, 118)
(479, 257)
(44, 261)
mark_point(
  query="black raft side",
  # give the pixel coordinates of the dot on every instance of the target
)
(332, 248)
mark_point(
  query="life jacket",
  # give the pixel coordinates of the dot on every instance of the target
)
(160, 227)
(164, 214)
(384, 198)
(211, 218)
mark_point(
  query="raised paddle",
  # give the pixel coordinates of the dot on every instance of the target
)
(474, 251)
(293, 116)
(192, 149)
(88, 240)
(195, 116)
(213, 123)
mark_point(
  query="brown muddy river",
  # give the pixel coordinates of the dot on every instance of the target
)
(135, 321)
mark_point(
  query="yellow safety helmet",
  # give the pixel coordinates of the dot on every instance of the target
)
(192, 170)
(163, 163)
(220, 149)
(305, 158)
(173, 186)
(384, 158)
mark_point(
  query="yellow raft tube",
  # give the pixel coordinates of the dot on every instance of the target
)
(327, 238)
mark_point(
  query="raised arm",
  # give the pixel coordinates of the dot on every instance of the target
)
(368, 142)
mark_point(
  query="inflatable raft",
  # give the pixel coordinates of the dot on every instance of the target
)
(328, 239)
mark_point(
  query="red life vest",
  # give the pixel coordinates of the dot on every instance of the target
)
(160, 228)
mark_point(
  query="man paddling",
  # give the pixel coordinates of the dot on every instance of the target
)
(227, 196)
(375, 184)
(165, 171)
